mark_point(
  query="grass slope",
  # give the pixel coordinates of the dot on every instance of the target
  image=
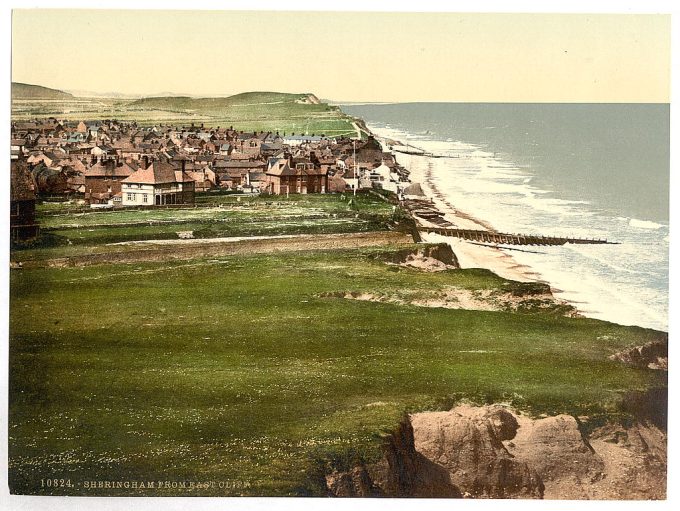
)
(247, 371)
(69, 230)
(28, 91)
(254, 379)
(243, 99)
(251, 111)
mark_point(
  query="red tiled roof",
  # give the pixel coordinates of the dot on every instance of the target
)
(158, 173)
(99, 170)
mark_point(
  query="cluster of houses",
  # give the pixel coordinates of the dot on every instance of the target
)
(112, 163)
(115, 163)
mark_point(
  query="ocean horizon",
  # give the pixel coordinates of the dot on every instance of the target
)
(581, 170)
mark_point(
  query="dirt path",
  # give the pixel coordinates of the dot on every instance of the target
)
(162, 250)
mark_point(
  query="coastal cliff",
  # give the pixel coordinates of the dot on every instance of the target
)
(497, 452)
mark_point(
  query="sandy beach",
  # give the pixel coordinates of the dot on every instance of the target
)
(469, 254)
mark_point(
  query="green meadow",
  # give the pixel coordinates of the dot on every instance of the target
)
(250, 375)
(69, 229)
(251, 111)
(240, 369)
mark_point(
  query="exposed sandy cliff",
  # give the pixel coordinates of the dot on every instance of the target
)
(496, 452)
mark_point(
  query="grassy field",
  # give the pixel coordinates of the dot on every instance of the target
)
(256, 380)
(261, 111)
(250, 372)
(69, 229)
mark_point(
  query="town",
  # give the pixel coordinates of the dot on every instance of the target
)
(111, 164)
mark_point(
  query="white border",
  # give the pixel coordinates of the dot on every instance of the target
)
(198, 503)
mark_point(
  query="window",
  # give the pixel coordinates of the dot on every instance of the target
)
(131, 197)
(145, 197)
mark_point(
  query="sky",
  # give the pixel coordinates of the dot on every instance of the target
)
(345, 56)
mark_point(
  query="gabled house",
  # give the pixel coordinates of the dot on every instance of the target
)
(157, 185)
(234, 173)
(205, 178)
(383, 177)
(296, 175)
(103, 180)
(17, 146)
(247, 145)
(75, 138)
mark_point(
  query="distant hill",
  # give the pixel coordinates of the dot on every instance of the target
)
(79, 93)
(249, 111)
(27, 91)
(243, 99)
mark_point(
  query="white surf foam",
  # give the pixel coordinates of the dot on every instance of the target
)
(644, 224)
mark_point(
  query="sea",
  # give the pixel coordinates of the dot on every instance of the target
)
(577, 170)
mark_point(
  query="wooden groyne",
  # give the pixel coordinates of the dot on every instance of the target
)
(512, 239)
(422, 152)
(436, 223)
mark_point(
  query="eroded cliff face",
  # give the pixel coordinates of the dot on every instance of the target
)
(468, 443)
(496, 452)
(653, 355)
(437, 257)
(402, 472)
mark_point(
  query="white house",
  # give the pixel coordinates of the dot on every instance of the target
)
(159, 184)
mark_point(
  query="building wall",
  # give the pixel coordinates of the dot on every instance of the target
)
(135, 194)
(22, 222)
(152, 195)
(294, 184)
(102, 185)
(317, 184)
(279, 185)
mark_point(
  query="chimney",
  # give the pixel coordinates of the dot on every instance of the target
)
(184, 164)
(145, 159)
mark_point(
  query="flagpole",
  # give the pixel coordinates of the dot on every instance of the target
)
(356, 176)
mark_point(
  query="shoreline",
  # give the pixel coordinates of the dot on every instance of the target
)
(509, 263)
(469, 254)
